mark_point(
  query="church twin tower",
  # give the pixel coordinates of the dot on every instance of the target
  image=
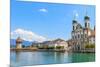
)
(86, 20)
(80, 34)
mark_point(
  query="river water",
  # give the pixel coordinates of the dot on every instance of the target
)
(25, 58)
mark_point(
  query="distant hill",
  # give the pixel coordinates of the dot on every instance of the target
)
(50, 42)
(28, 43)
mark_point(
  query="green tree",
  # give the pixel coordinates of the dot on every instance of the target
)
(23, 46)
(51, 47)
(59, 47)
(90, 46)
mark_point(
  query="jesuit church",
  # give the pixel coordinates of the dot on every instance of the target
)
(82, 35)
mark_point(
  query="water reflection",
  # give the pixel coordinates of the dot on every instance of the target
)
(83, 57)
(36, 58)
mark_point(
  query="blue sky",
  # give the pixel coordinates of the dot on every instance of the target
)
(48, 19)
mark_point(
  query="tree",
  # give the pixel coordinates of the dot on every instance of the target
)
(90, 46)
(51, 47)
(59, 47)
(23, 46)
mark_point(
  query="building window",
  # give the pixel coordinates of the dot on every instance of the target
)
(72, 37)
(73, 28)
(75, 37)
(85, 36)
(78, 36)
(81, 36)
(85, 24)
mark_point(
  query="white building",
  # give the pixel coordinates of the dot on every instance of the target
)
(53, 43)
(61, 43)
(92, 38)
(80, 34)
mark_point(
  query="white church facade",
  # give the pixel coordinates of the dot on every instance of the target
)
(82, 35)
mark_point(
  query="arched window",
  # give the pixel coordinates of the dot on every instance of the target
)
(73, 28)
(78, 36)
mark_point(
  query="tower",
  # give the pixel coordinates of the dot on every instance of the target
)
(87, 21)
(74, 20)
(19, 42)
(74, 25)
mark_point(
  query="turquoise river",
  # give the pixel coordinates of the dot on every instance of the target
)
(25, 58)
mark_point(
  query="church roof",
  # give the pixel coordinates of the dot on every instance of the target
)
(19, 39)
(74, 21)
(79, 25)
(86, 17)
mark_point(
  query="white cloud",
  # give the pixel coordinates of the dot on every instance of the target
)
(27, 35)
(43, 10)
